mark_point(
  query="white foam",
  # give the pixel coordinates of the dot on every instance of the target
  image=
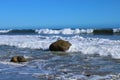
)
(4, 31)
(115, 30)
(23, 41)
(64, 31)
(71, 76)
(103, 47)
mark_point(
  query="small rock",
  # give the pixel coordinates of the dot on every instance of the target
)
(88, 75)
(18, 59)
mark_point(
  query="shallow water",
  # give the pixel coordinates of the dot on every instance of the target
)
(46, 65)
(90, 57)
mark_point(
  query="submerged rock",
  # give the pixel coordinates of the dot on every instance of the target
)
(18, 59)
(88, 74)
(60, 45)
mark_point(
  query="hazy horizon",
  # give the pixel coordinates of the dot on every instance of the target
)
(62, 27)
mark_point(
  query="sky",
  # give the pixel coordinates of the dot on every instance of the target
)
(49, 13)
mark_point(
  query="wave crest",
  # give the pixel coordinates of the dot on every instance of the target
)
(64, 31)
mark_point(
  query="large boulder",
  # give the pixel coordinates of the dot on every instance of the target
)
(18, 59)
(60, 45)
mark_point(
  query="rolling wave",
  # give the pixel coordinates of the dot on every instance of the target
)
(16, 31)
(65, 31)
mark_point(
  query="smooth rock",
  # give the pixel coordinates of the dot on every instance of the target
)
(60, 45)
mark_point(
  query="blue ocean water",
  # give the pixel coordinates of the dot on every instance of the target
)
(91, 57)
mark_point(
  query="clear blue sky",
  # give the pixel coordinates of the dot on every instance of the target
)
(32, 13)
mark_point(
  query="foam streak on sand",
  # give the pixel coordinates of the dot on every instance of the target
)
(103, 47)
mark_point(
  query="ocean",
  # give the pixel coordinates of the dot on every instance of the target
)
(92, 55)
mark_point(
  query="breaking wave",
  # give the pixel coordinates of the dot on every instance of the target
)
(102, 47)
(64, 31)
(58, 31)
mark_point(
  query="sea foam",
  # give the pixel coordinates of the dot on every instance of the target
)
(5, 31)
